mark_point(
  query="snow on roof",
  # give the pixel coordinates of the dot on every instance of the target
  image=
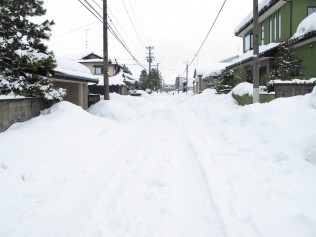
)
(210, 68)
(249, 53)
(306, 26)
(73, 68)
(214, 69)
(248, 18)
(130, 78)
(93, 60)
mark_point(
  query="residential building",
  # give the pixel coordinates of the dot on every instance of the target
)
(207, 76)
(73, 77)
(115, 72)
(278, 21)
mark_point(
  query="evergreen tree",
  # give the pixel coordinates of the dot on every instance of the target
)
(225, 80)
(151, 81)
(25, 62)
(154, 79)
(143, 80)
(286, 64)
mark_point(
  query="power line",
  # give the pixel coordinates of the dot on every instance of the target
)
(195, 55)
(122, 28)
(91, 11)
(96, 14)
(140, 41)
(209, 31)
(68, 32)
(141, 20)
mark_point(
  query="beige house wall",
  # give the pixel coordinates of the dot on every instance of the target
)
(92, 65)
(77, 92)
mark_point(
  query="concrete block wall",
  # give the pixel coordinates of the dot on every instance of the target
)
(19, 110)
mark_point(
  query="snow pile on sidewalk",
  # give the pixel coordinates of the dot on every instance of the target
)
(162, 165)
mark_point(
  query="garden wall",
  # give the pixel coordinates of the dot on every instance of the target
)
(19, 110)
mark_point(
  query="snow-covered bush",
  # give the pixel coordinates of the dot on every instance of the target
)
(25, 62)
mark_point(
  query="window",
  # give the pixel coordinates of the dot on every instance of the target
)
(280, 24)
(271, 30)
(311, 10)
(98, 70)
(248, 42)
(275, 27)
(262, 33)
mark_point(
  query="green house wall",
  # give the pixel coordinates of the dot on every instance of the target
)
(298, 10)
(308, 54)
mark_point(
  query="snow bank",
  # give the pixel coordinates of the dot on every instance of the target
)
(312, 99)
(244, 88)
(162, 165)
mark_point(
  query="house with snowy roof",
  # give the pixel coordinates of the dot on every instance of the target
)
(279, 20)
(74, 77)
(115, 71)
(207, 76)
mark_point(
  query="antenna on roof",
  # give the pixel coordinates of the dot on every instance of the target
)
(87, 39)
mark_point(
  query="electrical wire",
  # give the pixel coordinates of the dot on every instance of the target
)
(68, 32)
(209, 31)
(96, 14)
(137, 34)
(195, 55)
(91, 11)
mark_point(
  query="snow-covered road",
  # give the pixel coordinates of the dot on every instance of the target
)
(162, 165)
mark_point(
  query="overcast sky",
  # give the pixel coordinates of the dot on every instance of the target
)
(175, 28)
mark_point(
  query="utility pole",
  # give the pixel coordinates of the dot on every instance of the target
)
(255, 52)
(149, 57)
(149, 60)
(186, 76)
(158, 79)
(105, 52)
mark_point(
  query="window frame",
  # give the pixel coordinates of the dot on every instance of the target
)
(309, 8)
(249, 42)
(275, 27)
(262, 33)
(280, 24)
(271, 29)
(96, 70)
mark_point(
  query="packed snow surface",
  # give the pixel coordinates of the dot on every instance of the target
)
(162, 165)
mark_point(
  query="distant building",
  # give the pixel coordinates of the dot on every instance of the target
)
(179, 83)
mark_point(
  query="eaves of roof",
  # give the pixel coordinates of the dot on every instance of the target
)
(63, 76)
(266, 8)
(249, 59)
(304, 38)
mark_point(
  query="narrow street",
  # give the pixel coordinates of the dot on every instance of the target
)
(158, 165)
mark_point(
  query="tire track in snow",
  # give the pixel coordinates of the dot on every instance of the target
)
(160, 189)
(211, 167)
